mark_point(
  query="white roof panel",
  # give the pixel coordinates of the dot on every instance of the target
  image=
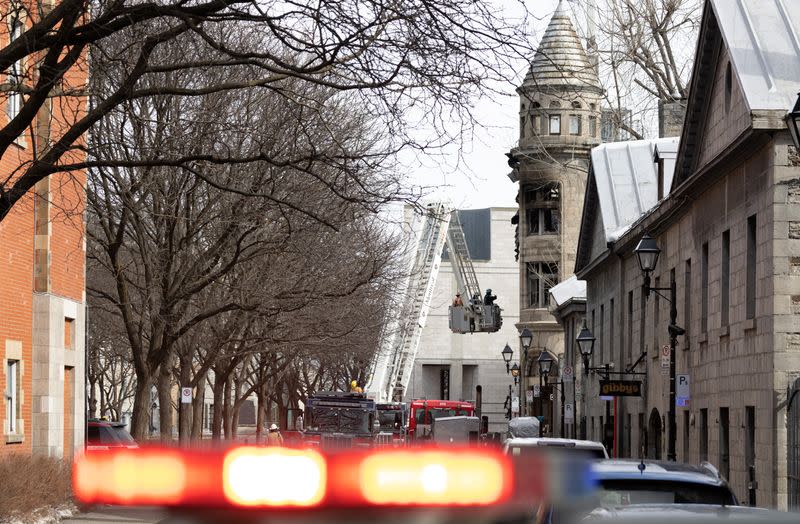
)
(569, 289)
(626, 178)
(763, 38)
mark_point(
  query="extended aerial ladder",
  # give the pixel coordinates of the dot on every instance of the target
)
(394, 362)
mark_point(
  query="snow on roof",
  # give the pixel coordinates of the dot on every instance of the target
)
(626, 175)
(763, 38)
(569, 289)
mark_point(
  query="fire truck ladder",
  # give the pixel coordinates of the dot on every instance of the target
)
(394, 364)
(458, 252)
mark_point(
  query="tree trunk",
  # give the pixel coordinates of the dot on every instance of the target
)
(198, 407)
(227, 414)
(140, 423)
(219, 393)
(165, 402)
(185, 420)
(261, 412)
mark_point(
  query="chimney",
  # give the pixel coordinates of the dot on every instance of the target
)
(670, 117)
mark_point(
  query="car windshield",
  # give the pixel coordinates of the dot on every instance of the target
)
(431, 414)
(390, 419)
(339, 420)
(584, 453)
(614, 493)
(109, 436)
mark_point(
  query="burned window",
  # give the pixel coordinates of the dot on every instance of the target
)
(541, 277)
(543, 210)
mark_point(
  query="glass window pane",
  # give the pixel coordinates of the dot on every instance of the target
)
(574, 125)
(533, 221)
(555, 124)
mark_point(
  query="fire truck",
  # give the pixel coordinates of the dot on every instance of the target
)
(424, 412)
(392, 417)
(337, 419)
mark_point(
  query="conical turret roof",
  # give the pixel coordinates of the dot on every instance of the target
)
(560, 59)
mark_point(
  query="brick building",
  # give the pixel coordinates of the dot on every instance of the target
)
(724, 207)
(42, 266)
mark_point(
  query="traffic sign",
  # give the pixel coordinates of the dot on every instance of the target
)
(665, 351)
(567, 374)
(537, 390)
(515, 404)
(569, 413)
(529, 395)
(682, 391)
(186, 395)
(551, 396)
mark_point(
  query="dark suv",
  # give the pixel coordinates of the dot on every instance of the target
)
(104, 434)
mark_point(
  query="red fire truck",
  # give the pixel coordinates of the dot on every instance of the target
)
(423, 412)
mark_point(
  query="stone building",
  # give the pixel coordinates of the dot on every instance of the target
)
(560, 118)
(451, 366)
(42, 299)
(723, 208)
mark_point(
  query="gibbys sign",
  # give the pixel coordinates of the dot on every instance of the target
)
(620, 388)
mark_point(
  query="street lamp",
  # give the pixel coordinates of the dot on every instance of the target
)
(585, 342)
(647, 252)
(793, 123)
(515, 372)
(526, 339)
(507, 354)
(545, 362)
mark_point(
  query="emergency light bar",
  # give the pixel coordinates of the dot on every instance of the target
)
(258, 477)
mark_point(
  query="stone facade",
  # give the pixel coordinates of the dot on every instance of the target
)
(472, 360)
(725, 234)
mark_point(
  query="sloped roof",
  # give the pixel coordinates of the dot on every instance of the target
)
(763, 39)
(560, 59)
(626, 176)
(569, 289)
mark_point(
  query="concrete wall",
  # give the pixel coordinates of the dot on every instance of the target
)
(440, 347)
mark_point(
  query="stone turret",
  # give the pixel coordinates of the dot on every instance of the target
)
(559, 124)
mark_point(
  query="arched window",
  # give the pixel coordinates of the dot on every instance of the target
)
(535, 105)
(576, 105)
(554, 105)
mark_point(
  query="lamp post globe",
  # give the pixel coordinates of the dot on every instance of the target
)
(507, 353)
(585, 340)
(793, 123)
(545, 362)
(647, 252)
(526, 338)
(515, 370)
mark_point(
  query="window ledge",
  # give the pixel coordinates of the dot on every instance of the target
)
(15, 438)
(703, 337)
(749, 324)
(724, 331)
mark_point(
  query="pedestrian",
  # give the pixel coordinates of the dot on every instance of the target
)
(489, 299)
(274, 437)
(457, 301)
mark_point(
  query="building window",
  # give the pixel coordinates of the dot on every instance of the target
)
(686, 436)
(593, 126)
(703, 435)
(600, 336)
(687, 300)
(69, 333)
(611, 322)
(725, 279)
(543, 210)
(724, 443)
(704, 292)
(15, 71)
(574, 125)
(630, 327)
(535, 125)
(751, 267)
(555, 124)
(12, 396)
(593, 331)
(522, 126)
(541, 277)
(750, 447)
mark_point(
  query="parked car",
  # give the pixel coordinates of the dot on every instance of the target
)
(584, 448)
(694, 513)
(627, 482)
(104, 434)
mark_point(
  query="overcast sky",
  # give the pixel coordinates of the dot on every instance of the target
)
(476, 178)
